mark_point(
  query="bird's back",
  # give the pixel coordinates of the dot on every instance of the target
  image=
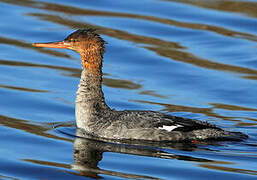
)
(155, 126)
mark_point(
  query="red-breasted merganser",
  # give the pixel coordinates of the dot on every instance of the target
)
(95, 117)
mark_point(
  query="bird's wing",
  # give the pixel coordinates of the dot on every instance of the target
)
(183, 124)
(152, 119)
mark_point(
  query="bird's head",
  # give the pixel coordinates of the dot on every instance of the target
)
(86, 42)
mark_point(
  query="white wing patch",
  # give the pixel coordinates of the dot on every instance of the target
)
(170, 128)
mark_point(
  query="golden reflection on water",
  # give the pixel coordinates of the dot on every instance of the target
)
(22, 88)
(220, 5)
(14, 42)
(172, 50)
(29, 127)
(163, 48)
(118, 83)
(73, 72)
(84, 170)
(229, 169)
(246, 7)
(206, 111)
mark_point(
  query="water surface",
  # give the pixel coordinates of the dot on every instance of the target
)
(195, 59)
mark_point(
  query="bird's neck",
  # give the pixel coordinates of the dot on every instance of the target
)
(90, 87)
(90, 102)
(92, 61)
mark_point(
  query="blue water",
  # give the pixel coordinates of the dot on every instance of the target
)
(195, 59)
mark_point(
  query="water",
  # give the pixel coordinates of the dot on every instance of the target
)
(195, 59)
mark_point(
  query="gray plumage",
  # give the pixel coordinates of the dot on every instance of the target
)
(95, 117)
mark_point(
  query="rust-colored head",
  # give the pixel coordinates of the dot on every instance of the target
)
(87, 43)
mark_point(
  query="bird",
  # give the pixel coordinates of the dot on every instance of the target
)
(96, 118)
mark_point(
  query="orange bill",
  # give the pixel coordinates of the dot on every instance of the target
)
(59, 45)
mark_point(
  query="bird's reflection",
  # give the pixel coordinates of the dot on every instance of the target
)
(89, 152)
